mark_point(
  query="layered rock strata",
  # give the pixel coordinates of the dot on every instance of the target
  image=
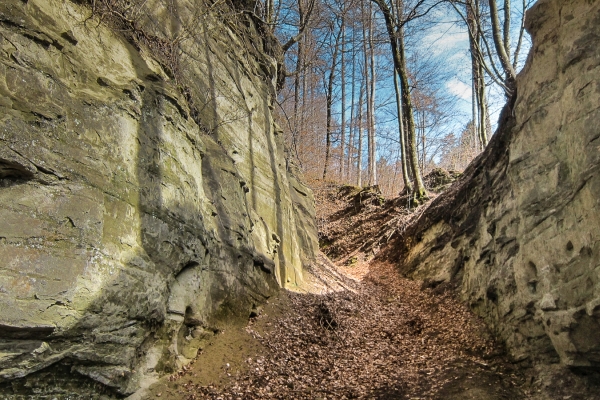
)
(520, 233)
(144, 196)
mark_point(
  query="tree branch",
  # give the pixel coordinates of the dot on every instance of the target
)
(294, 39)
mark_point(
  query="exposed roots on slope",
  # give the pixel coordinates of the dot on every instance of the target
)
(354, 223)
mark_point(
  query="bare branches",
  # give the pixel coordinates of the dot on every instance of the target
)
(521, 35)
(501, 50)
(481, 54)
(305, 18)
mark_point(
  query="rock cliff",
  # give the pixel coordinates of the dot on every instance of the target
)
(519, 233)
(144, 193)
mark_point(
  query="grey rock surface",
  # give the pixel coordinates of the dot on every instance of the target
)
(519, 233)
(144, 200)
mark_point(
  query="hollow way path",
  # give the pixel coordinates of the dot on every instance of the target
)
(384, 337)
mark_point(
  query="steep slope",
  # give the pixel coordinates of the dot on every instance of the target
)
(145, 196)
(355, 223)
(519, 233)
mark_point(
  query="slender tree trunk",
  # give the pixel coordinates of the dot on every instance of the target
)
(507, 26)
(509, 72)
(521, 34)
(269, 12)
(360, 139)
(473, 27)
(373, 141)
(329, 100)
(423, 139)
(366, 41)
(408, 164)
(408, 186)
(482, 108)
(474, 104)
(407, 183)
(396, 38)
(297, 88)
(352, 122)
(407, 107)
(343, 105)
(305, 90)
(480, 100)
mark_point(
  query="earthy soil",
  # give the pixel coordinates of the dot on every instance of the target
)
(355, 223)
(372, 335)
(427, 346)
(387, 338)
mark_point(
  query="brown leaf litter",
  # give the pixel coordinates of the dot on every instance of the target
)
(376, 336)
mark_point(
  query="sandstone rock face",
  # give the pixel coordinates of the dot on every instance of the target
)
(142, 203)
(520, 232)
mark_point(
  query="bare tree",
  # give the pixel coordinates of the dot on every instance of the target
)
(480, 108)
(329, 94)
(395, 19)
(499, 51)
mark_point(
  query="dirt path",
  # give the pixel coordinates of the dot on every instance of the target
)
(384, 339)
(381, 337)
(371, 335)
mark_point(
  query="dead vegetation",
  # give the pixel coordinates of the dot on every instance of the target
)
(129, 19)
(175, 34)
(355, 223)
(387, 340)
(384, 337)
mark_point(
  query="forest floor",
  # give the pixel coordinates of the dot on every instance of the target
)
(381, 337)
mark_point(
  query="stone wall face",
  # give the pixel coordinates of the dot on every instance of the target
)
(520, 233)
(138, 210)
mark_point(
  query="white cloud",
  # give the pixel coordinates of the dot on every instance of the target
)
(459, 89)
(444, 39)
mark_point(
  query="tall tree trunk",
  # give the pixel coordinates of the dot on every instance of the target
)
(507, 26)
(480, 100)
(483, 109)
(352, 114)
(343, 105)
(473, 27)
(372, 137)
(396, 38)
(407, 182)
(269, 13)
(408, 186)
(509, 72)
(305, 89)
(521, 34)
(365, 42)
(329, 100)
(297, 88)
(360, 139)
(423, 139)
(407, 107)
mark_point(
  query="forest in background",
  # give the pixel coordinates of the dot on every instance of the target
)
(381, 92)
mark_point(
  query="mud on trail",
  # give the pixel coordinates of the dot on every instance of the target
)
(375, 335)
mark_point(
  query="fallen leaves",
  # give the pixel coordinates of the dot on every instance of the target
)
(383, 337)
(387, 339)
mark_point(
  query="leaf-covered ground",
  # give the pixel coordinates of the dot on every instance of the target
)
(382, 337)
(387, 338)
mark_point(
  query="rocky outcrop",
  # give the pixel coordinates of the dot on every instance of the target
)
(520, 232)
(144, 196)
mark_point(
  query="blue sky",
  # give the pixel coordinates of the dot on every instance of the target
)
(450, 42)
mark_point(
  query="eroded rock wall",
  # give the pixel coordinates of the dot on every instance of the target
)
(520, 232)
(144, 199)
